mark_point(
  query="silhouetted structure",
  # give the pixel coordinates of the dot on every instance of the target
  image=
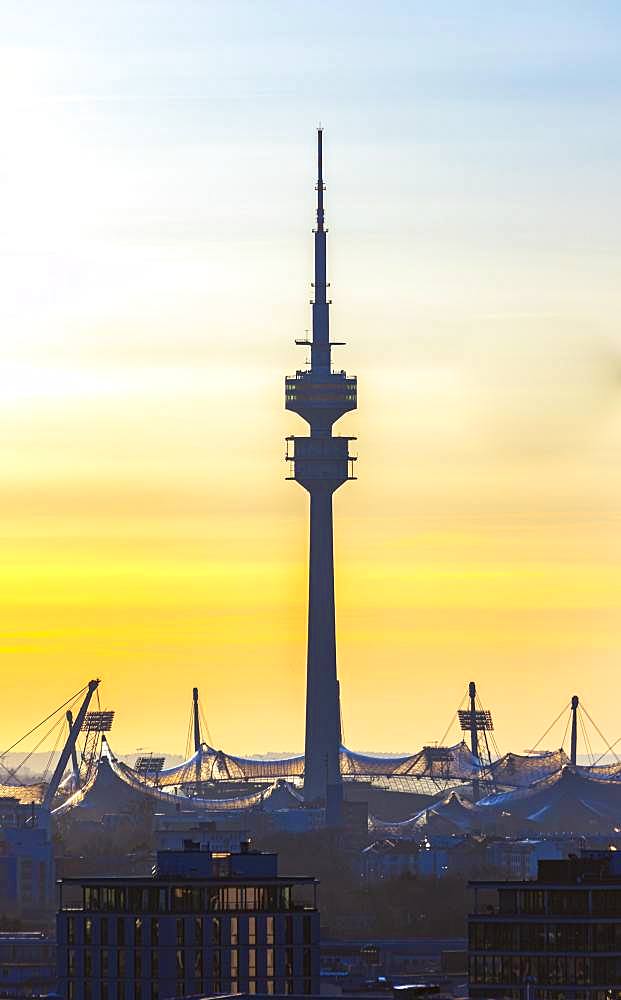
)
(560, 934)
(321, 463)
(204, 923)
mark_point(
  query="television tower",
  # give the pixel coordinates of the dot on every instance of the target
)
(321, 463)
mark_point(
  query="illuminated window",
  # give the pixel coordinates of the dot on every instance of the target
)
(252, 930)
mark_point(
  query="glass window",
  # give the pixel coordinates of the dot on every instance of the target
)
(234, 931)
(70, 930)
(88, 931)
(103, 931)
(269, 930)
(120, 931)
(252, 930)
(155, 932)
(198, 931)
(137, 932)
(180, 932)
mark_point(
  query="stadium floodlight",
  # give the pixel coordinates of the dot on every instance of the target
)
(98, 722)
(438, 755)
(149, 765)
(481, 720)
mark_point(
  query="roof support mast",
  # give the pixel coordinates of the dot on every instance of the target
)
(575, 701)
(75, 767)
(59, 770)
(197, 725)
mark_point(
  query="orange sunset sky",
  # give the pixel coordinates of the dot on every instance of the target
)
(156, 206)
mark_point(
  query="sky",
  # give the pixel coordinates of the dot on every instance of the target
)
(156, 207)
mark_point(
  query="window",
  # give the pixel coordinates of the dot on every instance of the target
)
(289, 930)
(70, 930)
(180, 932)
(180, 962)
(198, 931)
(252, 930)
(269, 962)
(88, 931)
(288, 962)
(234, 931)
(71, 962)
(269, 930)
(155, 964)
(120, 931)
(216, 931)
(155, 991)
(103, 931)
(122, 963)
(252, 963)
(105, 962)
(155, 932)
(88, 962)
(137, 932)
(307, 930)
(138, 965)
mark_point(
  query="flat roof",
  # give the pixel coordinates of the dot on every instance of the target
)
(585, 883)
(149, 880)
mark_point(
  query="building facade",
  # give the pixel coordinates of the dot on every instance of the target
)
(558, 935)
(27, 964)
(26, 861)
(204, 923)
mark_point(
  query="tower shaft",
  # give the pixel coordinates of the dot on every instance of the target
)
(321, 463)
(322, 743)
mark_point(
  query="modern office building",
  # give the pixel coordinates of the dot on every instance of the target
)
(559, 935)
(27, 964)
(204, 923)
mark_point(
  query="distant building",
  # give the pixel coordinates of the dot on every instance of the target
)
(26, 861)
(518, 859)
(560, 933)
(27, 964)
(171, 831)
(204, 923)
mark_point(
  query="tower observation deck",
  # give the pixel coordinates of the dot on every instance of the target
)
(321, 463)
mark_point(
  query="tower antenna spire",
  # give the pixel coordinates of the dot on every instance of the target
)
(320, 185)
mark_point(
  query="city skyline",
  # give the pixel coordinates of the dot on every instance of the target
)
(155, 239)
